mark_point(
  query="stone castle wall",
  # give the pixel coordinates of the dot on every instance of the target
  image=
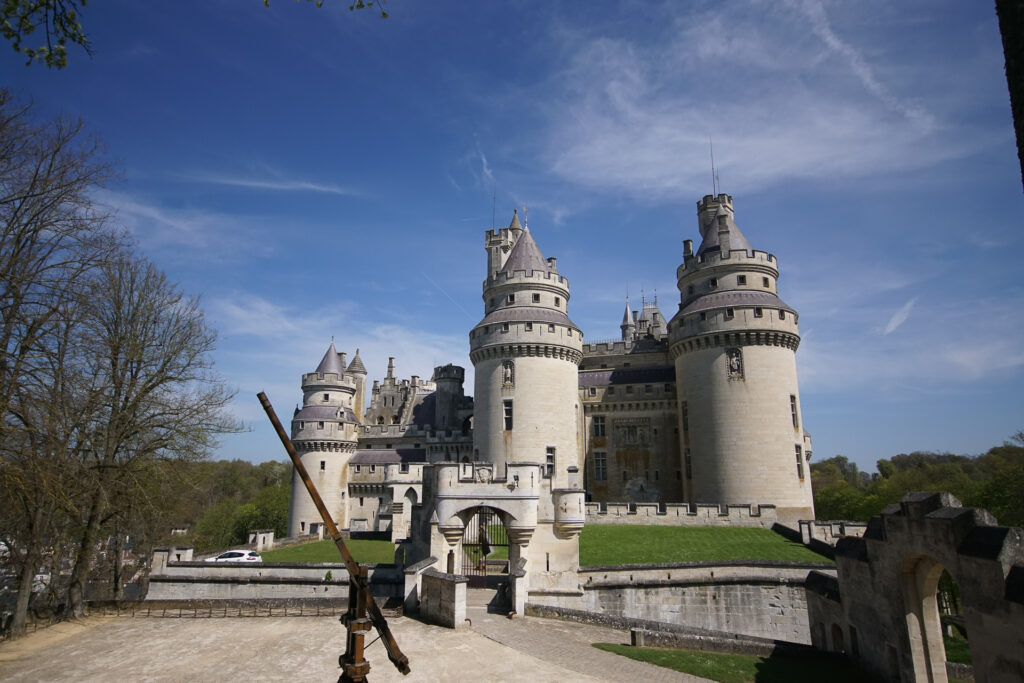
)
(654, 514)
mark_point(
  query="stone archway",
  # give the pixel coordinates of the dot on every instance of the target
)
(485, 547)
(919, 584)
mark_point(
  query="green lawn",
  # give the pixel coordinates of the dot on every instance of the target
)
(611, 545)
(957, 650)
(743, 668)
(364, 550)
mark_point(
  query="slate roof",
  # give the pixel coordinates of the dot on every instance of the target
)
(737, 240)
(525, 256)
(357, 364)
(388, 456)
(515, 224)
(736, 297)
(534, 314)
(602, 378)
(331, 363)
(324, 413)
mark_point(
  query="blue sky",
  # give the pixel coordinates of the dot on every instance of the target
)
(318, 172)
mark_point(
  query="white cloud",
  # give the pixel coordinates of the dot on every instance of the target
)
(633, 115)
(899, 317)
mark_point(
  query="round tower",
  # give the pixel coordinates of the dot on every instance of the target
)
(734, 344)
(324, 432)
(525, 353)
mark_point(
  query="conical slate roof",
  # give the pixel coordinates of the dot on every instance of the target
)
(737, 240)
(515, 225)
(525, 256)
(627, 319)
(357, 364)
(331, 363)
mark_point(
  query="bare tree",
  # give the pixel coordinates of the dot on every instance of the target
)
(153, 393)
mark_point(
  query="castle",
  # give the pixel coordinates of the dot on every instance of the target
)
(703, 408)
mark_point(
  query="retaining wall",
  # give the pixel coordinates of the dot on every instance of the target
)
(443, 598)
(681, 514)
(759, 599)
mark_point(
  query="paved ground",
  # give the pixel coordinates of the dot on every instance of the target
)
(306, 648)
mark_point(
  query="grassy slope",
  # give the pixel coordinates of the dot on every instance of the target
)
(365, 551)
(611, 545)
(742, 668)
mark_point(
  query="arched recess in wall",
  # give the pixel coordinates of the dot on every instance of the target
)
(919, 583)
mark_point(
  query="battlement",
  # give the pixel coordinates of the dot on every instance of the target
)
(709, 201)
(522, 276)
(681, 514)
(322, 379)
(449, 372)
(735, 256)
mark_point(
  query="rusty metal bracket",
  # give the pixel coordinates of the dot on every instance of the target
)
(361, 602)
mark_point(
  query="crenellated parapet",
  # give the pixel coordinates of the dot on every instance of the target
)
(538, 278)
(558, 352)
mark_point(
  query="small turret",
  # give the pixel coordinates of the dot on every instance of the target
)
(627, 326)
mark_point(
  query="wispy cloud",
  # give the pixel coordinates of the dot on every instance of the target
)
(899, 317)
(784, 94)
(276, 184)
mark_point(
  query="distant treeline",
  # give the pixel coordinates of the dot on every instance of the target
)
(994, 481)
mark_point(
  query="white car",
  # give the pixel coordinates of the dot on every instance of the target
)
(237, 556)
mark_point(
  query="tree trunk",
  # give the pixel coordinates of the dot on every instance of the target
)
(25, 580)
(75, 606)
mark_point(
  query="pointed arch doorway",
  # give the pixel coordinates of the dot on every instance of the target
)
(484, 548)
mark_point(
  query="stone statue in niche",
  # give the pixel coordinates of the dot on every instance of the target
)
(508, 373)
(734, 357)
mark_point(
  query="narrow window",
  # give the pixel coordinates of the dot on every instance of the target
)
(782, 315)
(729, 314)
(611, 391)
(764, 282)
(703, 315)
(799, 463)
(686, 418)
(319, 425)
(508, 414)
(624, 475)
(713, 283)
(592, 391)
(373, 468)
(741, 279)
(549, 462)
(687, 460)
(689, 290)
(536, 298)
(551, 328)
(359, 468)
(600, 466)
(629, 389)
(758, 312)
(558, 302)
(792, 409)
(504, 327)
(529, 327)
(323, 465)
(668, 387)
(679, 475)
(302, 526)
(655, 475)
(598, 425)
(511, 298)
(327, 397)
(360, 500)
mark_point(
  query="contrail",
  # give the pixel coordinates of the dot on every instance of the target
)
(447, 295)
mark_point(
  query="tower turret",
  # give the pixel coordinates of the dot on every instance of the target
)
(627, 326)
(357, 370)
(324, 431)
(525, 354)
(734, 344)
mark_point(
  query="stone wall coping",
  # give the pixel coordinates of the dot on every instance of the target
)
(444, 576)
(240, 580)
(418, 567)
(760, 564)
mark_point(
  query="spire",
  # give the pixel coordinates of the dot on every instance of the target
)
(515, 225)
(526, 256)
(719, 229)
(627, 319)
(331, 362)
(357, 364)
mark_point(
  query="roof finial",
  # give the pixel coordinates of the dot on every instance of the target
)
(526, 217)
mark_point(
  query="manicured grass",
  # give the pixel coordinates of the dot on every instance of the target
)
(611, 545)
(743, 668)
(364, 550)
(957, 650)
